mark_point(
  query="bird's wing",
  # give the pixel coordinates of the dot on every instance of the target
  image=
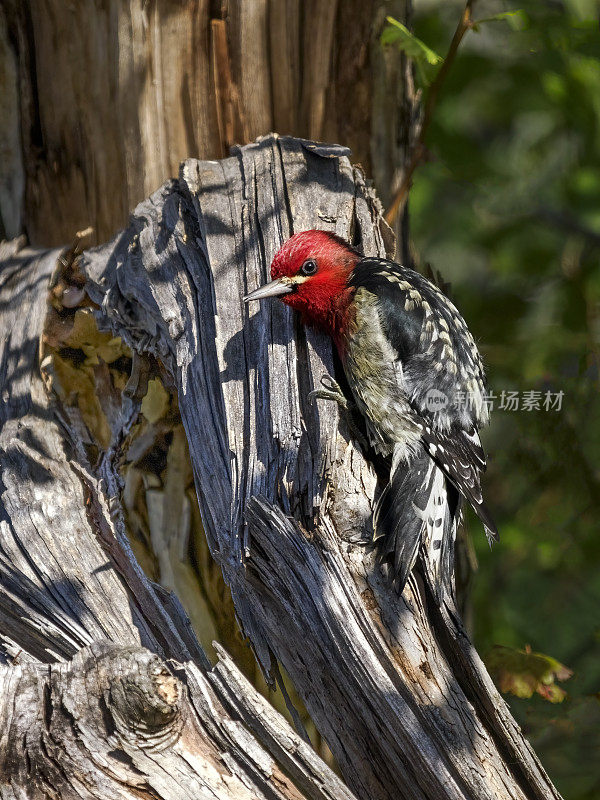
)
(431, 339)
(400, 306)
(436, 352)
(460, 456)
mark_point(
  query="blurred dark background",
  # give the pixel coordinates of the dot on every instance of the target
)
(508, 209)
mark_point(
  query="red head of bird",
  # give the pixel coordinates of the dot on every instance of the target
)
(310, 273)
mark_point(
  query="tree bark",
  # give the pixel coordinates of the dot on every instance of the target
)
(392, 683)
(86, 710)
(117, 722)
(110, 98)
(114, 95)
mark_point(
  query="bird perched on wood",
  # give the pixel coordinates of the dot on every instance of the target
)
(417, 379)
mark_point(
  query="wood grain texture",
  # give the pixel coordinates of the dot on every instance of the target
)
(117, 722)
(114, 95)
(50, 557)
(393, 684)
(85, 710)
(12, 178)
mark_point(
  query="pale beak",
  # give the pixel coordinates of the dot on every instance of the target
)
(271, 289)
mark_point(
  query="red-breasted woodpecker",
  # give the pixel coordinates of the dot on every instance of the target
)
(416, 377)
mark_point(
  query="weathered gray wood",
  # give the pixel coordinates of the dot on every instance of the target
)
(81, 716)
(53, 567)
(392, 683)
(116, 723)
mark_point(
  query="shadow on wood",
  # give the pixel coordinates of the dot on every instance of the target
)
(85, 710)
(392, 683)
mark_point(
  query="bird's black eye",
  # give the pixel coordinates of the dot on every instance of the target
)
(309, 267)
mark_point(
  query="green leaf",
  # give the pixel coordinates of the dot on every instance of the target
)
(398, 34)
(516, 18)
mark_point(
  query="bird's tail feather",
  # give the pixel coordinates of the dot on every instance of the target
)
(441, 524)
(418, 511)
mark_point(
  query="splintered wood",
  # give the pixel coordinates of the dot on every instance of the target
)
(392, 683)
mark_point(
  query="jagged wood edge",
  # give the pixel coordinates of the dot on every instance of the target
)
(172, 283)
(71, 718)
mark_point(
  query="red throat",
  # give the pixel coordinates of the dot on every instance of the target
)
(323, 299)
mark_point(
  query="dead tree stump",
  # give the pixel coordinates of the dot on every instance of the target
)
(392, 683)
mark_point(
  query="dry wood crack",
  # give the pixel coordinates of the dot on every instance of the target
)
(392, 684)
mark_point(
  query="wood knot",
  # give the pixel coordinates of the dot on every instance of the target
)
(168, 687)
(145, 701)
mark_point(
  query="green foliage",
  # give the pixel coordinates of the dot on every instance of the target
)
(395, 33)
(509, 211)
(516, 18)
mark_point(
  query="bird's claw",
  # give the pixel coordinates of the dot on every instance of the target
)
(330, 384)
(331, 391)
(322, 394)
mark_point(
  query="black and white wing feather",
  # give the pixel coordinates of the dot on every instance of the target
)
(437, 358)
(463, 463)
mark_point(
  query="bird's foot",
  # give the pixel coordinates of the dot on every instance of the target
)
(331, 391)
